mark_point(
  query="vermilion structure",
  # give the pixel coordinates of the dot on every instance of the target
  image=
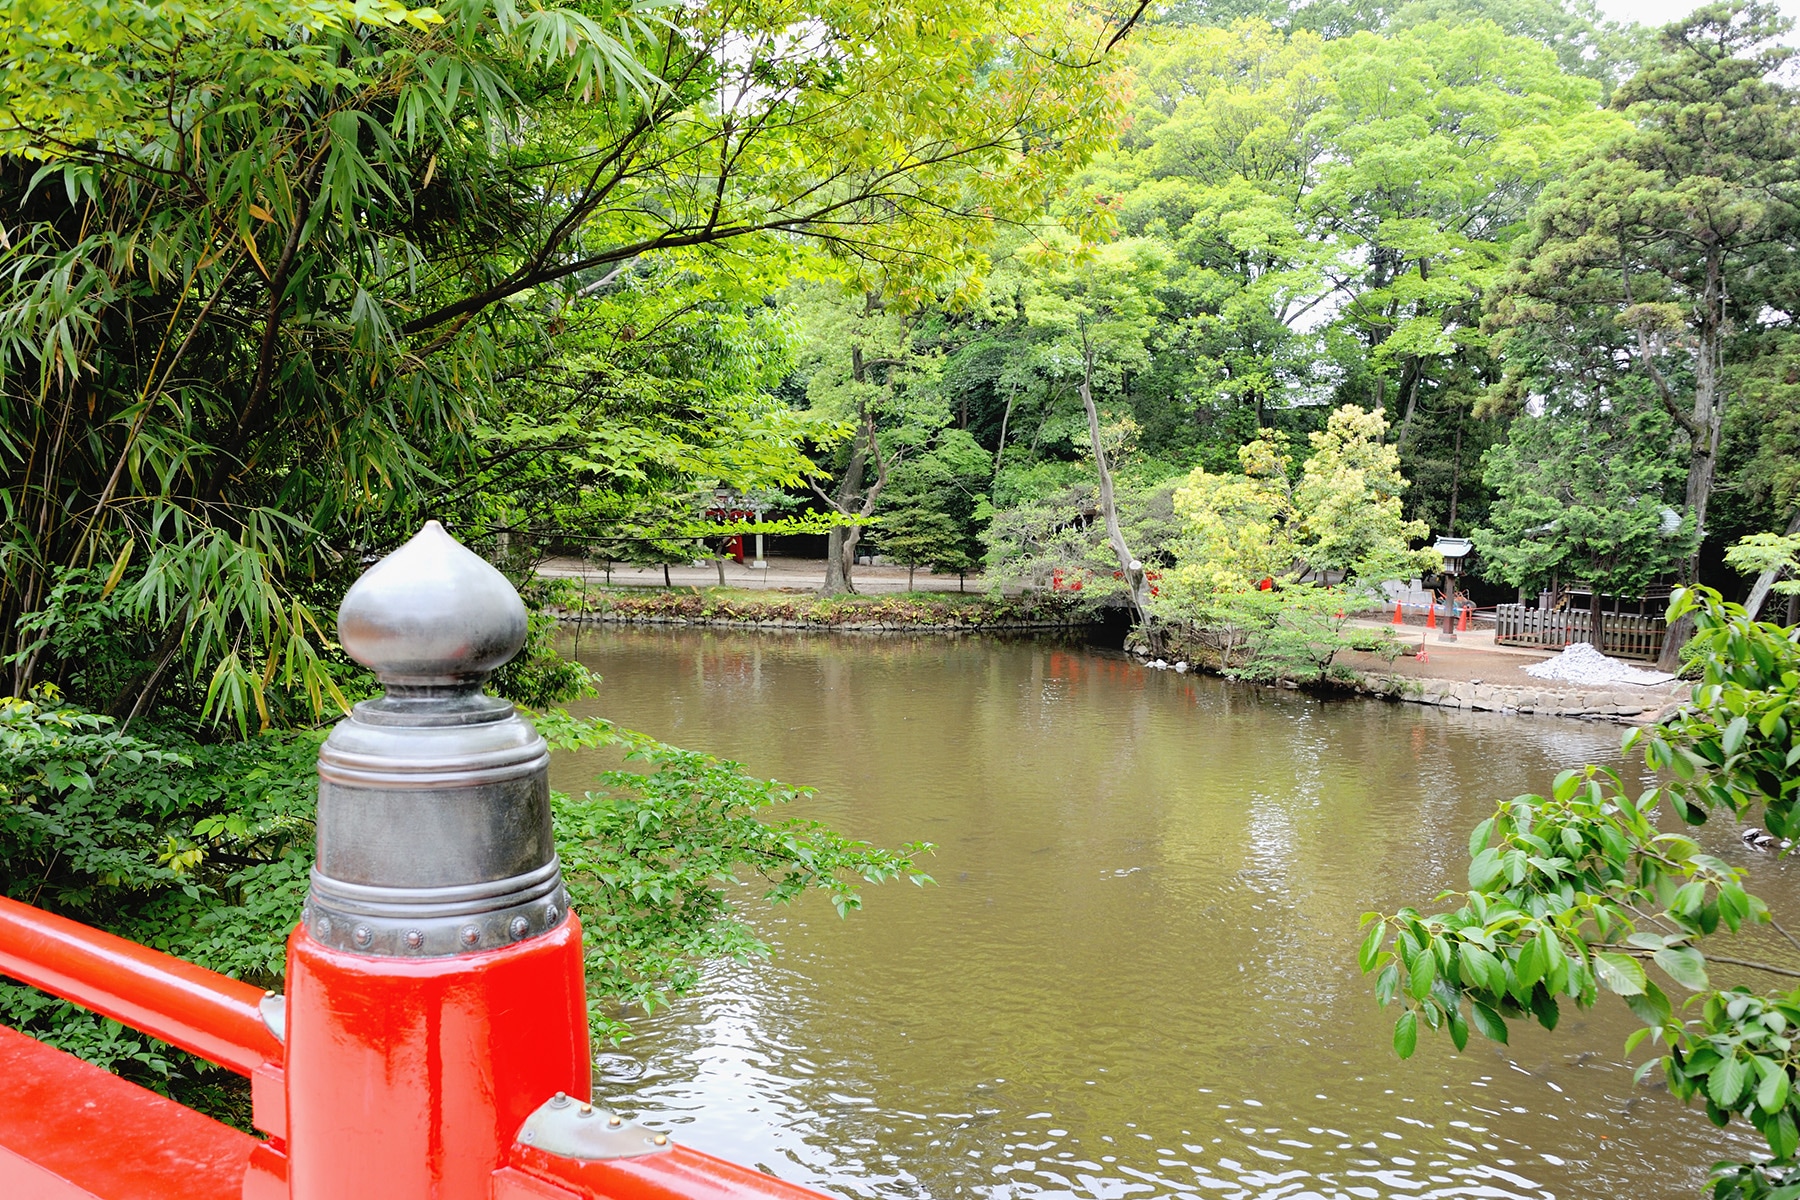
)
(432, 1040)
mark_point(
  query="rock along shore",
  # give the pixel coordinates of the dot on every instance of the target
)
(1622, 703)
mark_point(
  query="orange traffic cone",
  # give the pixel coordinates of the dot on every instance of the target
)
(1431, 616)
(1466, 612)
(1399, 617)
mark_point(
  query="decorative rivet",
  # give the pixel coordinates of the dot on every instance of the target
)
(519, 927)
(560, 1100)
(661, 1139)
(324, 929)
(614, 1121)
(550, 916)
(470, 935)
(362, 935)
(305, 913)
(415, 938)
(586, 1110)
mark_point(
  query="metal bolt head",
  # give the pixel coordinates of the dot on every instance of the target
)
(586, 1110)
(471, 935)
(661, 1139)
(324, 927)
(519, 927)
(560, 1100)
(614, 1121)
(550, 916)
(362, 935)
(415, 938)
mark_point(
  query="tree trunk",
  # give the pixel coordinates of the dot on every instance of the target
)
(852, 536)
(840, 552)
(1703, 426)
(719, 561)
(1596, 614)
(1132, 570)
(1455, 473)
(1410, 378)
(910, 568)
(666, 582)
(1760, 591)
(837, 580)
(1005, 419)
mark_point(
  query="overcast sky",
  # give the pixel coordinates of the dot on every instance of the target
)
(1661, 12)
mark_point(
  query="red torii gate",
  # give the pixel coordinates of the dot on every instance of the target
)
(432, 1042)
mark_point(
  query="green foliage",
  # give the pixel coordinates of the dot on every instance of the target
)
(1348, 498)
(202, 850)
(1059, 543)
(1267, 567)
(1585, 492)
(1580, 892)
(944, 610)
(1774, 552)
(281, 277)
(1293, 632)
(1299, 222)
(1670, 246)
(657, 390)
(197, 849)
(929, 509)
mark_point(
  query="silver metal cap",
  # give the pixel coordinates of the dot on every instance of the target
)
(433, 826)
(431, 614)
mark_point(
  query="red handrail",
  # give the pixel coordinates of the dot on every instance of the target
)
(680, 1174)
(201, 1011)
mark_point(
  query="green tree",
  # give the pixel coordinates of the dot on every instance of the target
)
(929, 517)
(264, 260)
(1581, 892)
(1268, 567)
(1583, 493)
(1678, 233)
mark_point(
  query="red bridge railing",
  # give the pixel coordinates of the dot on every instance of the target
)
(432, 1042)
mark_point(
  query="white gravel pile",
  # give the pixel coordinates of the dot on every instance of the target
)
(1581, 663)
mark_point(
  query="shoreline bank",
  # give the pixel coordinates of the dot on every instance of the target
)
(1036, 613)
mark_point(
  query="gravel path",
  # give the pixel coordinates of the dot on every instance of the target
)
(1582, 664)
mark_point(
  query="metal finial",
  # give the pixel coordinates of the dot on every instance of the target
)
(432, 614)
(433, 827)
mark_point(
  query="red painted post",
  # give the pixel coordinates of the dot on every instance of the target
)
(410, 1078)
(435, 990)
(434, 1044)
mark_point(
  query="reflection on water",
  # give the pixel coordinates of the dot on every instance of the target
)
(1136, 974)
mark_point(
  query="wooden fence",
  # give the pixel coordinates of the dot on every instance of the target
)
(1626, 635)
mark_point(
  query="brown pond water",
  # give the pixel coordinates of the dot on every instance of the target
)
(1135, 976)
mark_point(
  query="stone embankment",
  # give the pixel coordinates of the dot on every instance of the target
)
(849, 614)
(1622, 703)
(743, 622)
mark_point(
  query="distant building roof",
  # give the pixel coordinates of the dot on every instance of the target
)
(1451, 547)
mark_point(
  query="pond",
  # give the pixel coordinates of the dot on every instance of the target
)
(1135, 975)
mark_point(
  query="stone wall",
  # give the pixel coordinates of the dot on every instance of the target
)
(830, 626)
(1623, 703)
